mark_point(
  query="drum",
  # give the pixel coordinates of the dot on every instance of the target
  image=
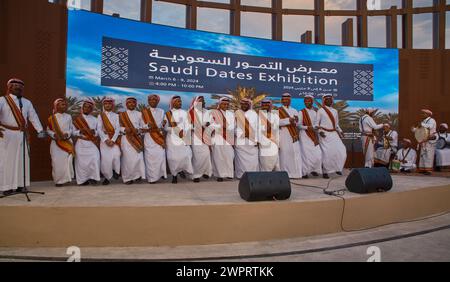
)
(386, 143)
(395, 165)
(421, 134)
(441, 143)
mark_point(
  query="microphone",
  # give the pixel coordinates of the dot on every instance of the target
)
(20, 102)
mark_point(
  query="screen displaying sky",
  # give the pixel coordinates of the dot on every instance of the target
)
(84, 57)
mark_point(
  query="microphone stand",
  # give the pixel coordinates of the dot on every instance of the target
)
(24, 189)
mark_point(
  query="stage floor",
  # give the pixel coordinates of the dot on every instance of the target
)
(208, 212)
(207, 192)
(426, 239)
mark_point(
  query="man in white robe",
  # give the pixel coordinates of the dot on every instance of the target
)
(132, 162)
(109, 132)
(387, 146)
(407, 156)
(427, 148)
(333, 149)
(200, 120)
(154, 141)
(179, 153)
(290, 154)
(309, 139)
(246, 147)
(368, 128)
(60, 130)
(268, 137)
(87, 158)
(223, 124)
(443, 155)
(12, 128)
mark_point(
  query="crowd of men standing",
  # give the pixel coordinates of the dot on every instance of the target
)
(197, 143)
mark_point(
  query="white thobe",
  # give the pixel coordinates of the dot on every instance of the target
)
(223, 152)
(11, 145)
(311, 153)
(87, 155)
(367, 126)
(383, 155)
(155, 155)
(201, 152)
(269, 159)
(443, 155)
(290, 155)
(110, 156)
(246, 150)
(62, 162)
(179, 153)
(408, 155)
(427, 148)
(132, 162)
(334, 152)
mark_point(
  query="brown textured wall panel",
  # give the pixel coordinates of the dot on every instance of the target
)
(3, 29)
(424, 83)
(36, 53)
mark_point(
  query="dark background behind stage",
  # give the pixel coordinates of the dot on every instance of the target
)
(33, 47)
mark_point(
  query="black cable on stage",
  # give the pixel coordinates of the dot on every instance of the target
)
(340, 193)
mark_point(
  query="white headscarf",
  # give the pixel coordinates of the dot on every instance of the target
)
(195, 102)
(56, 102)
(327, 96)
(247, 101)
(108, 99)
(268, 101)
(174, 97)
(155, 95)
(223, 99)
(87, 101)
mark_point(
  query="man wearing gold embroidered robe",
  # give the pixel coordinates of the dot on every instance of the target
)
(109, 132)
(309, 140)
(333, 149)
(200, 119)
(246, 149)
(60, 130)
(290, 154)
(13, 124)
(154, 141)
(132, 162)
(268, 137)
(223, 124)
(179, 153)
(87, 158)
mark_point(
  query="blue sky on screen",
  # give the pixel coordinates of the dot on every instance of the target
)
(84, 57)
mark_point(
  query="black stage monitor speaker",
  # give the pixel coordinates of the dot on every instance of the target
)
(369, 180)
(262, 186)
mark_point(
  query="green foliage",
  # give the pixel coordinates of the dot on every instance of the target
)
(240, 93)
